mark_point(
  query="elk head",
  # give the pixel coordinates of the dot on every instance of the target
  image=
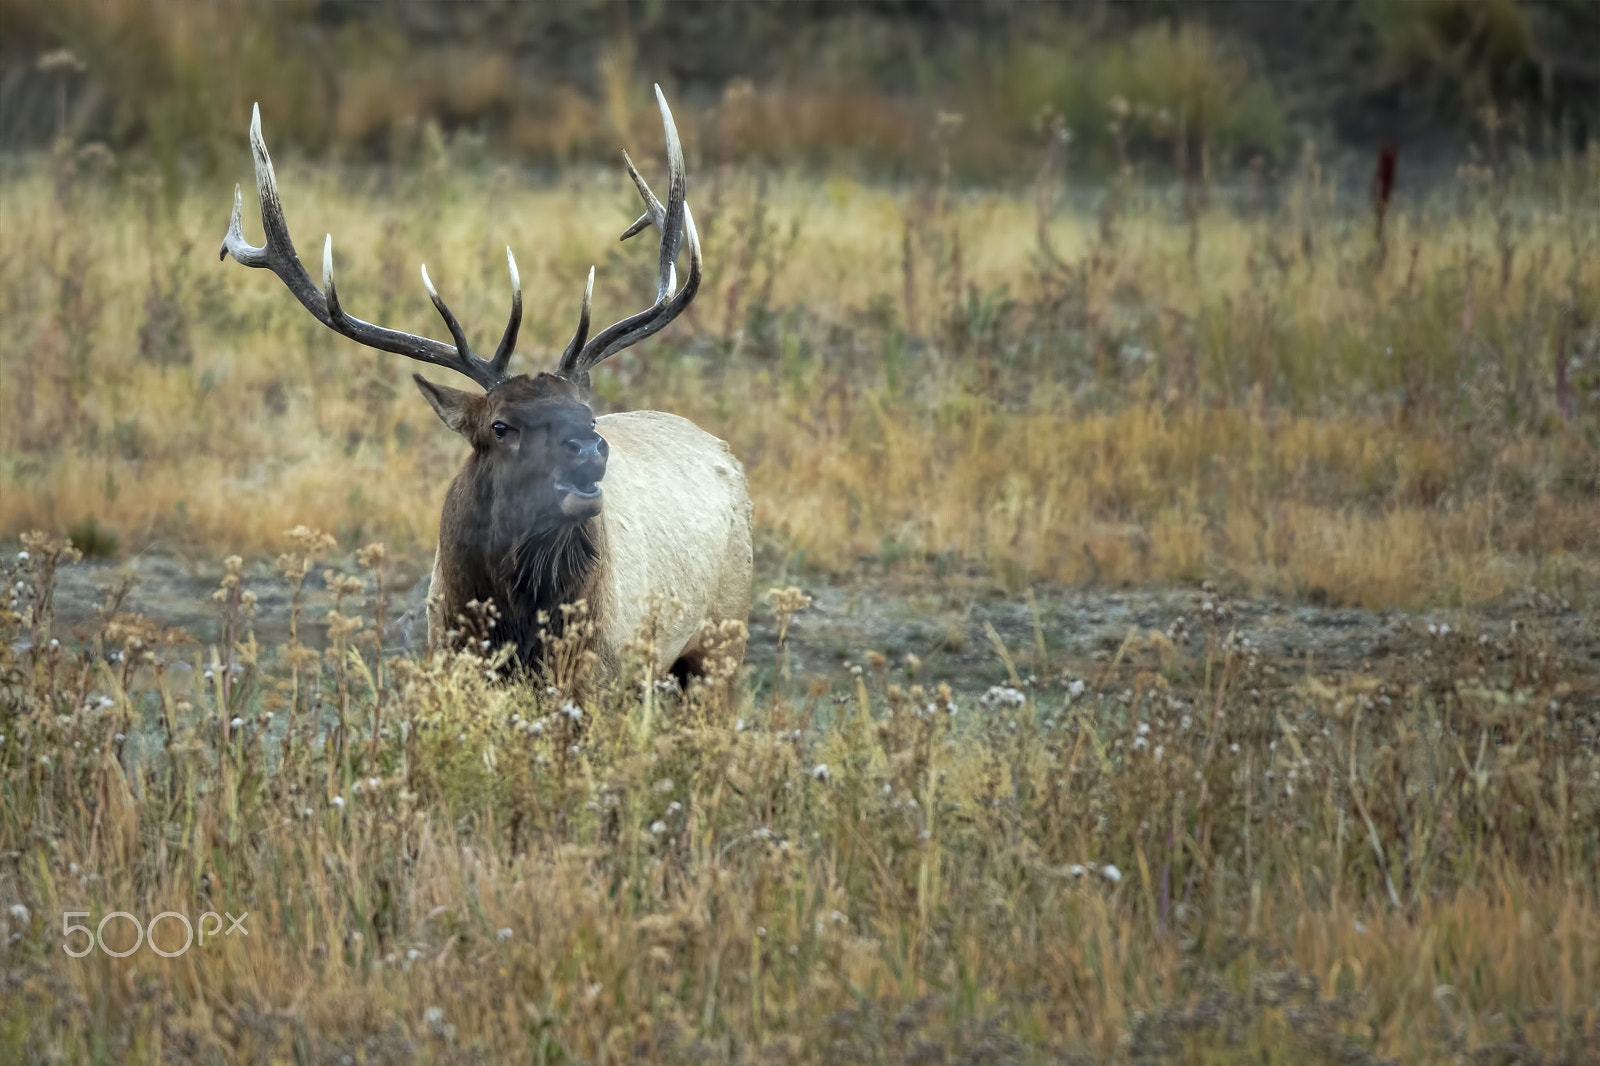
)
(537, 461)
(535, 449)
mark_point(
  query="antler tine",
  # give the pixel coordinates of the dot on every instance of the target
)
(677, 190)
(581, 334)
(508, 340)
(449, 319)
(278, 255)
(654, 213)
(674, 222)
(329, 294)
(631, 331)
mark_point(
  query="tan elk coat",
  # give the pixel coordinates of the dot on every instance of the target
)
(674, 534)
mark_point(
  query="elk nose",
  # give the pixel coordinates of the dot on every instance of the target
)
(592, 448)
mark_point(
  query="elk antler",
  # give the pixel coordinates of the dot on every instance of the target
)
(278, 256)
(674, 223)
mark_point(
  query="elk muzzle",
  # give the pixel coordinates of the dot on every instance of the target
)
(578, 480)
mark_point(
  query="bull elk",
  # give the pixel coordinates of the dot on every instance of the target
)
(664, 548)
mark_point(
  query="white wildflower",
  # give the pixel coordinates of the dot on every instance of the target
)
(1002, 696)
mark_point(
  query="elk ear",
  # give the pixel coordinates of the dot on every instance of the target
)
(455, 408)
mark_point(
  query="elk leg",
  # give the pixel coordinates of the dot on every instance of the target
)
(689, 665)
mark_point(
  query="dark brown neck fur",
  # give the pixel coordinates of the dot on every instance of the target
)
(524, 573)
(541, 573)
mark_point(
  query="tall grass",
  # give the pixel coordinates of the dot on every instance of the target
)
(1143, 384)
(1184, 853)
(1180, 852)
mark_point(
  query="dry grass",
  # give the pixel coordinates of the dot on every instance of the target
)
(1182, 854)
(913, 377)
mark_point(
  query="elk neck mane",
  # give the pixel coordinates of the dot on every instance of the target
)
(525, 572)
(541, 572)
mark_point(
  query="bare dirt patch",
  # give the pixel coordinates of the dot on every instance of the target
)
(944, 626)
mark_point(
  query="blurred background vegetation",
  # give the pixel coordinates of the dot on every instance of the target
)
(1195, 86)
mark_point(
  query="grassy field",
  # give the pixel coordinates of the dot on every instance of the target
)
(1180, 851)
(917, 375)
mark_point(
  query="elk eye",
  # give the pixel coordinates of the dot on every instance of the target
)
(499, 430)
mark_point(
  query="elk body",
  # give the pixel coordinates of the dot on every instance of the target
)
(642, 515)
